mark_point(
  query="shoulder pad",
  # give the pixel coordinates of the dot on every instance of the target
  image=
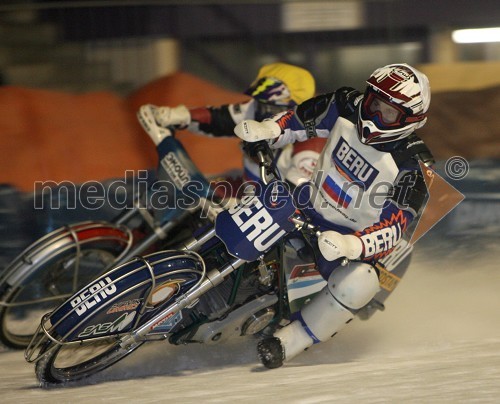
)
(347, 100)
(314, 108)
(413, 148)
(313, 111)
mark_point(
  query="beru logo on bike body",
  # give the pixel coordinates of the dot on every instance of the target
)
(253, 219)
(94, 294)
(258, 222)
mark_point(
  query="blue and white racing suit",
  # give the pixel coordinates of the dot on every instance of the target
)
(373, 192)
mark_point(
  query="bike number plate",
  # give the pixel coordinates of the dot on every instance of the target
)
(260, 220)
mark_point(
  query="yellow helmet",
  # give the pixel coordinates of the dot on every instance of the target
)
(282, 84)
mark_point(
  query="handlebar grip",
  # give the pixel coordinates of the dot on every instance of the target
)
(253, 148)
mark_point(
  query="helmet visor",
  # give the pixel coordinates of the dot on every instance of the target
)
(384, 114)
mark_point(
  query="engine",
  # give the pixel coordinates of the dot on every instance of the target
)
(239, 305)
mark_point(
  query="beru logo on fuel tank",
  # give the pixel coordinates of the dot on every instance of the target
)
(354, 166)
(256, 223)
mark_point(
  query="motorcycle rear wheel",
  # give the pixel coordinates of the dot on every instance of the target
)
(22, 306)
(72, 363)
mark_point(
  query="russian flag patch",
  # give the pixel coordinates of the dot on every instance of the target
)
(335, 192)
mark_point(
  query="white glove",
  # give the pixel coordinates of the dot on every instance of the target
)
(176, 116)
(149, 124)
(333, 245)
(253, 131)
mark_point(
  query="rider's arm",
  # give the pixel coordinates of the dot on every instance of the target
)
(220, 121)
(380, 239)
(213, 121)
(401, 208)
(313, 118)
(317, 116)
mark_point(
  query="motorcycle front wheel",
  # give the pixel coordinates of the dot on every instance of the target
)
(74, 362)
(58, 274)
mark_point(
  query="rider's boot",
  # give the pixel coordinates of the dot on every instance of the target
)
(349, 288)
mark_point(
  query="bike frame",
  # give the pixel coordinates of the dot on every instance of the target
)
(207, 281)
(146, 330)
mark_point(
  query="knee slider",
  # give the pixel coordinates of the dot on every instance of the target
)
(354, 285)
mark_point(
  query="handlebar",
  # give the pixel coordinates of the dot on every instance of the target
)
(305, 225)
(265, 158)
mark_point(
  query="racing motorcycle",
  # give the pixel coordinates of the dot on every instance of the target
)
(54, 267)
(241, 276)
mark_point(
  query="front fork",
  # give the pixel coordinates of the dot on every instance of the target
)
(190, 298)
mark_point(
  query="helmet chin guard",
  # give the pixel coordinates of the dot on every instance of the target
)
(395, 104)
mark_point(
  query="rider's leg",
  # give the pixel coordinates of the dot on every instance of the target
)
(349, 288)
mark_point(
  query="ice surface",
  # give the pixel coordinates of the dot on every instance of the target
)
(437, 341)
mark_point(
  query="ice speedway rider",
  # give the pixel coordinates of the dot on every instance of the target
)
(277, 88)
(371, 152)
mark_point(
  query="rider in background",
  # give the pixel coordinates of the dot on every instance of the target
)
(278, 87)
(366, 189)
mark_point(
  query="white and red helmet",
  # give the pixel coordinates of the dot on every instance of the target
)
(395, 104)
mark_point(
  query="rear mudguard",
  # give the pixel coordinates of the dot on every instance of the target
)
(125, 296)
(59, 241)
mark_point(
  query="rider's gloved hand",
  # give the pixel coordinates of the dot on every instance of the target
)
(177, 116)
(333, 245)
(253, 131)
